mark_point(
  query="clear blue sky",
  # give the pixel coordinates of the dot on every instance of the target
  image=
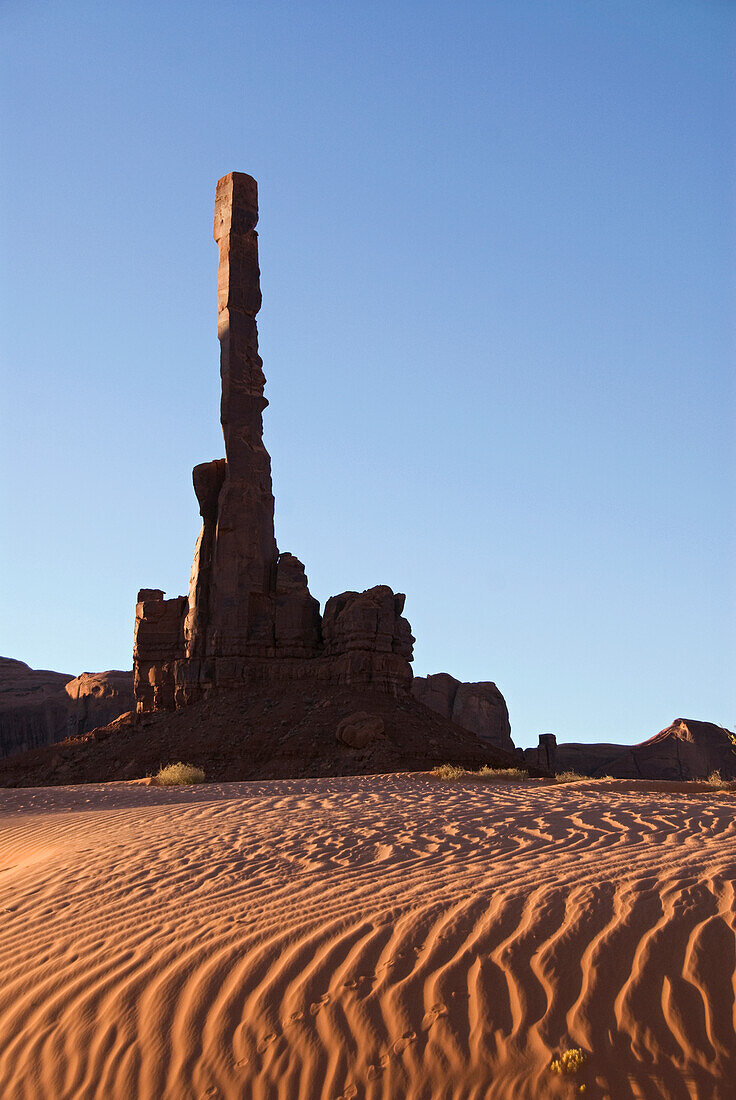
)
(497, 252)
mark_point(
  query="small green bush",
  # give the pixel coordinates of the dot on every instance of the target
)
(448, 771)
(504, 775)
(179, 775)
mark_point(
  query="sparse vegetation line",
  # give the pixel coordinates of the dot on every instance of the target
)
(502, 775)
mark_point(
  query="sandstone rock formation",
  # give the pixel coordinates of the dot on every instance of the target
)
(545, 755)
(40, 708)
(595, 758)
(687, 749)
(249, 618)
(478, 707)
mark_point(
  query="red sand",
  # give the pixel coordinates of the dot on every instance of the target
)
(387, 936)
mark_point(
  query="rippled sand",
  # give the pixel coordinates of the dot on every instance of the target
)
(391, 936)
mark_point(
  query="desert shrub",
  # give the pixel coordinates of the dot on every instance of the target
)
(569, 1062)
(504, 775)
(570, 777)
(179, 775)
(448, 771)
(716, 780)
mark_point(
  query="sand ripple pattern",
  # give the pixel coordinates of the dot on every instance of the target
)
(366, 937)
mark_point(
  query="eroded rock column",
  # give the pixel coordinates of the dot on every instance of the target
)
(243, 574)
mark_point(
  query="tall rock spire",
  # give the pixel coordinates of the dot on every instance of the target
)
(234, 574)
(250, 618)
(238, 302)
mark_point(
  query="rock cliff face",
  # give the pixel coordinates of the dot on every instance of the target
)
(249, 618)
(40, 708)
(687, 749)
(479, 707)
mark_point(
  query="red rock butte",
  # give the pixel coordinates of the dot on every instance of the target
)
(249, 619)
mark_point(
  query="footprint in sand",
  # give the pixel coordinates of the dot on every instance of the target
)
(350, 1092)
(266, 1042)
(375, 1071)
(433, 1015)
(401, 1044)
(292, 1019)
(360, 982)
(317, 1005)
(242, 1063)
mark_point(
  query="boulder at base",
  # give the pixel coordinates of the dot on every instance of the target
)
(359, 729)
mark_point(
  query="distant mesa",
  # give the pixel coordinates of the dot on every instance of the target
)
(687, 749)
(39, 708)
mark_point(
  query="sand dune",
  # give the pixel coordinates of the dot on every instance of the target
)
(389, 936)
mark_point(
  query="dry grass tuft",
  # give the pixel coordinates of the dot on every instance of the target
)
(719, 783)
(448, 771)
(499, 775)
(504, 775)
(570, 777)
(179, 775)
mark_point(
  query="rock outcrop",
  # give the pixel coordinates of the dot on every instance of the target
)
(249, 618)
(478, 707)
(687, 749)
(596, 758)
(40, 708)
(545, 755)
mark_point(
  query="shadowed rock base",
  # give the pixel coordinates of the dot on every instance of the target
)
(287, 730)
